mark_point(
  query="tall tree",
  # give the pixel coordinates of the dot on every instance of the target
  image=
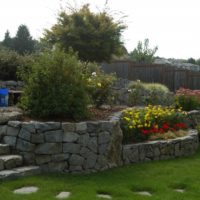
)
(8, 41)
(23, 42)
(143, 53)
(95, 36)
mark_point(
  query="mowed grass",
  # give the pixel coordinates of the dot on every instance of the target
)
(159, 178)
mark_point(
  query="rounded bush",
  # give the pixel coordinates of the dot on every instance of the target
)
(55, 86)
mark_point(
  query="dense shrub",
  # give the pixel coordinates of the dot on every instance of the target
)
(9, 62)
(149, 93)
(188, 99)
(140, 124)
(55, 86)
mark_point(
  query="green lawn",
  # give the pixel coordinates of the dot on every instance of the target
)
(159, 177)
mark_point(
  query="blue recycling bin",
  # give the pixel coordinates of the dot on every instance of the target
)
(4, 97)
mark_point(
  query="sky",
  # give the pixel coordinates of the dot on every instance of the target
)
(172, 25)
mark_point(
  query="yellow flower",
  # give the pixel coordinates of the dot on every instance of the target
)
(99, 84)
(130, 127)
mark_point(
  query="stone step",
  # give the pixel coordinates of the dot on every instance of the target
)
(10, 161)
(4, 149)
(19, 172)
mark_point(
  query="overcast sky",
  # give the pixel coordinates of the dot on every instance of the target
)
(172, 25)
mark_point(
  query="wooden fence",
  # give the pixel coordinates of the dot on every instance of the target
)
(171, 76)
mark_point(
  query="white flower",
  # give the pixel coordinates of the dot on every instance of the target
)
(94, 73)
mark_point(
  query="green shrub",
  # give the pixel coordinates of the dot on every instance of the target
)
(187, 102)
(9, 62)
(55, 86)
(149, 93)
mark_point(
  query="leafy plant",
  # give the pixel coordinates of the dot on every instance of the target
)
(149, 93)
(55, 86)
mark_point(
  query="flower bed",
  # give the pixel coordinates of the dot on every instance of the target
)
(152, 122)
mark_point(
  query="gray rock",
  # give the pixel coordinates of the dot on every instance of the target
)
(71, 148)
(92, 145)
(42, 159)
(84, 152)
(26, 190)
(15, 124)
(1, 165)
(12, 131)
(37, 138)
(107, 126)
(70, 137)
(47, 126)
(81, 127)
(24, 134)
(28, 157)
(103, 137)
(11, 161)
(60, 157)
(75, 169)
(84, 139)
(4, 149)
(2, 131)
(103, 149)
(130, 154)
(93, 127)
(63, 195)
(11, 140)
(49, 148)
(9, 116)
(54, 136)
(104, 196)
(29, 126)
(57, 166)
(76, 160)
(90, 161)
(68, 127)
(23, 145)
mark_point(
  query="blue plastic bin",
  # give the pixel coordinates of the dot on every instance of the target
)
(4, 97)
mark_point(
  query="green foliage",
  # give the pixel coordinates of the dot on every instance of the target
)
(187, 102)
(9, 62)
(149, 93)
(143, 53)
(95, 36)
(55, 86)
(100, 88)
(8, 41)
(23, 42)
(191, 60)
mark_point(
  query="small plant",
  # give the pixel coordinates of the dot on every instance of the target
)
(188, 99)
(100, 88)
(140, 124)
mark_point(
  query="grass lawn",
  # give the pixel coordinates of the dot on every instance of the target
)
(159, 178)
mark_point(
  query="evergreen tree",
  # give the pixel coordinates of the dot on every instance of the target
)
(8, 41)
(23, 42)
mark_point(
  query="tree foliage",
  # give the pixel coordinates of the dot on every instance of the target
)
(95, 36)
(143, 53)
(23, 42)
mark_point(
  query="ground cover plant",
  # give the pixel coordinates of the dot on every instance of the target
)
(149, 93)
(155, 122)
(160, 178)
(188, 99)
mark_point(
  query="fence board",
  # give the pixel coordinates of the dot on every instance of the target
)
(170, 76)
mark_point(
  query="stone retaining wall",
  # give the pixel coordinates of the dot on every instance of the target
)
(68, 147)
(87, 146)
(161, 150)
